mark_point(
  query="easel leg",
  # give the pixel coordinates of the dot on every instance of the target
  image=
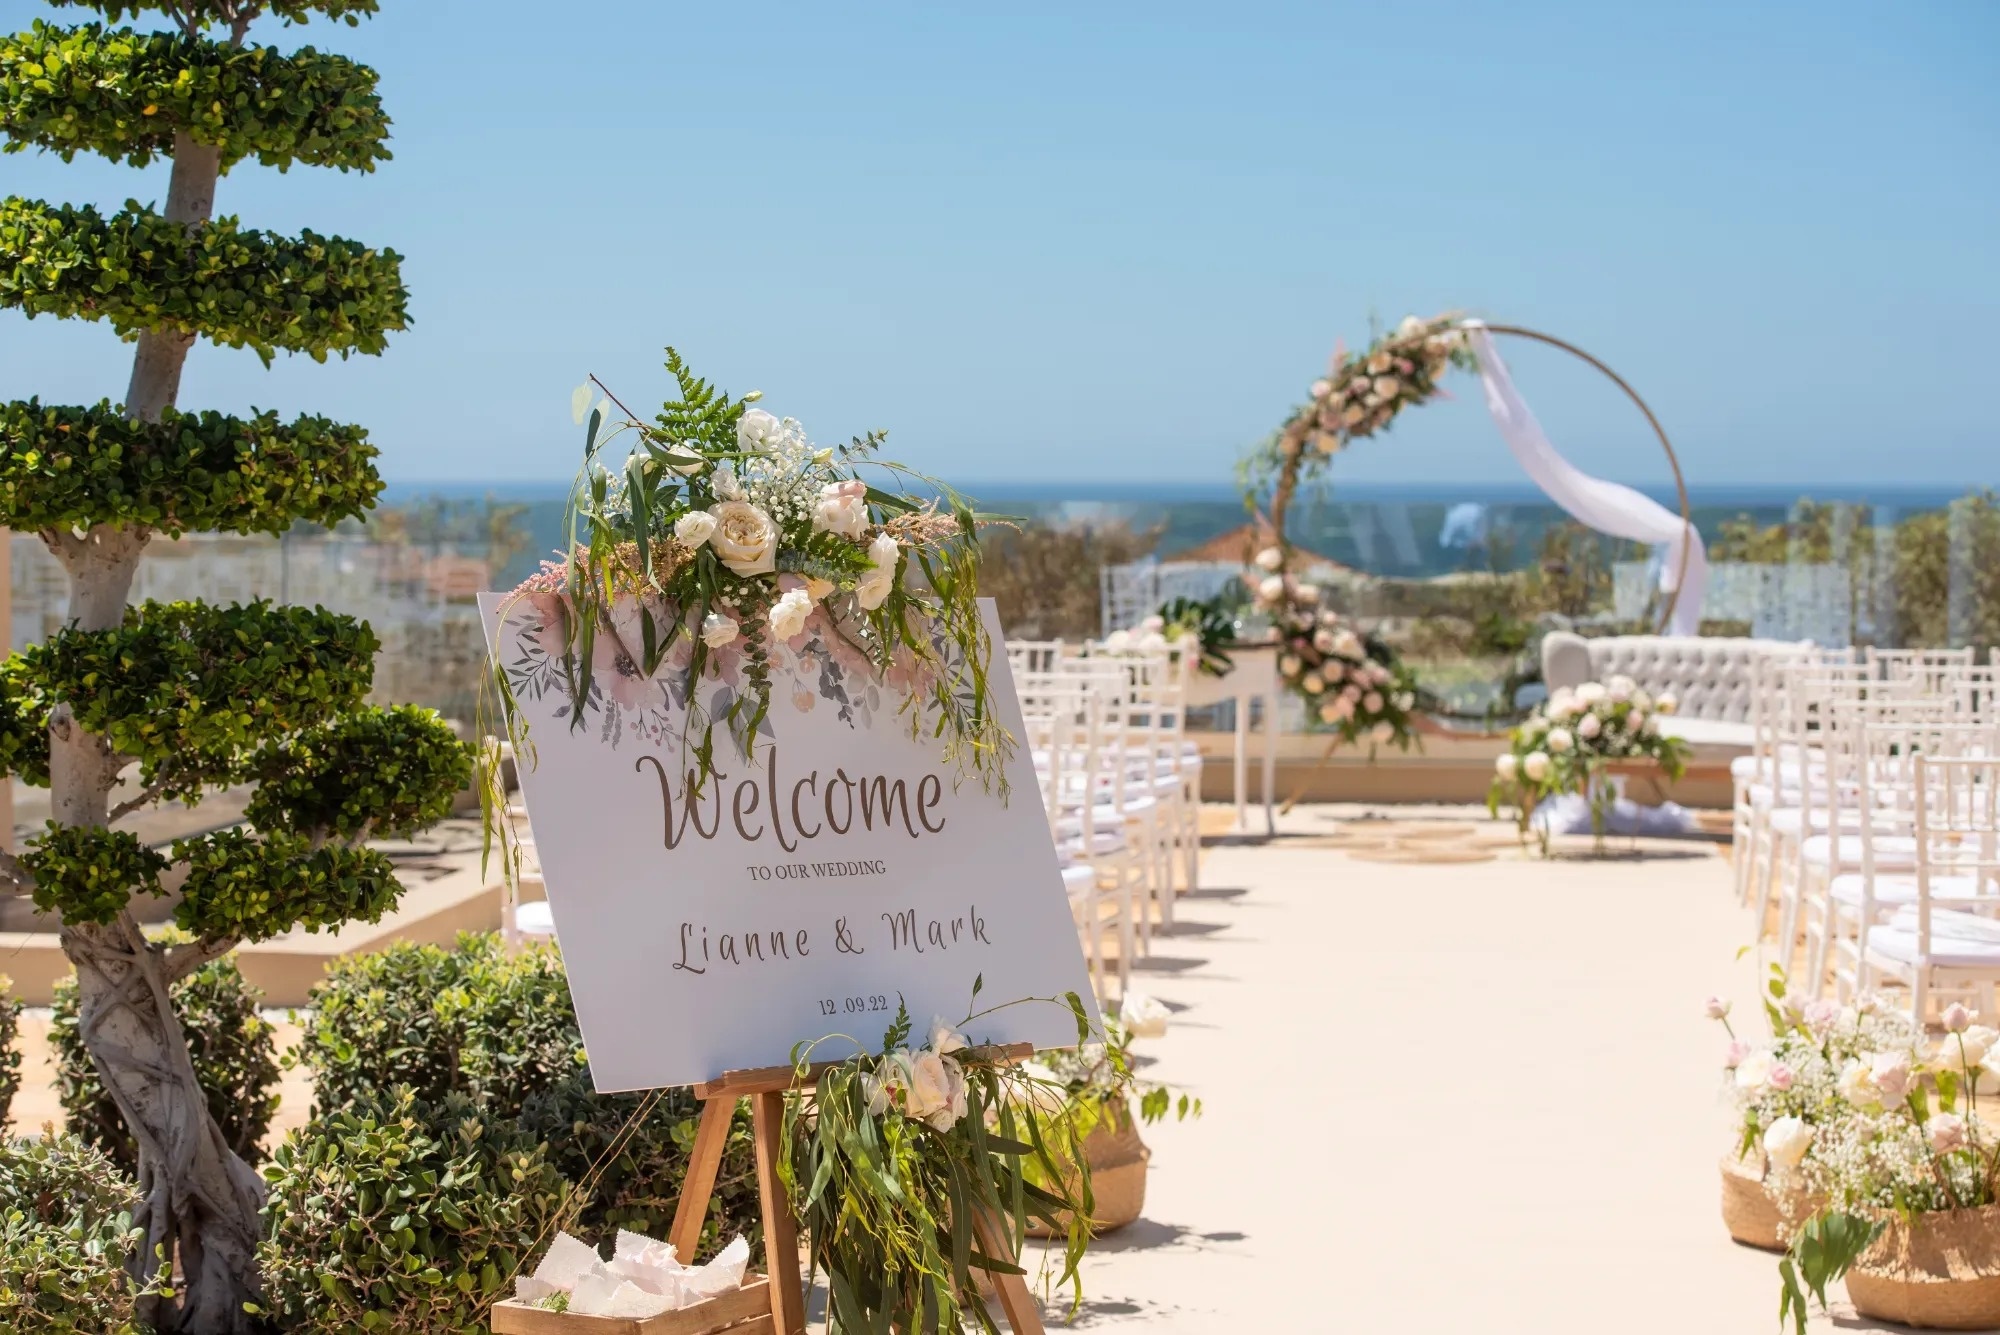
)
(1293, 800)
(703, 1164)
(1023, 1317)
(781, 1234)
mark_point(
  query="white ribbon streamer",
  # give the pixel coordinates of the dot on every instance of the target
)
(1608, 507)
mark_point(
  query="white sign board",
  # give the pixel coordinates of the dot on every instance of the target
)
(796, 895)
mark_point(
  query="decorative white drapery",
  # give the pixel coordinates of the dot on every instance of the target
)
(1608, 507)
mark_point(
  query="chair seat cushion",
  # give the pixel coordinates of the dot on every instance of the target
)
(1958, 940)
(1078, 878)
(1900, 889)
(534, 918)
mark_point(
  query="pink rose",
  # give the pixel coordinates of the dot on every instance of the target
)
(1733, 1055)
(1780, 1077)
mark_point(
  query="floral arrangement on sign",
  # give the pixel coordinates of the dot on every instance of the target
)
(1100, 1078)
(1561, 747)
(915, 1167)
(727, 543)
(1350, 682)
(1861, 1115)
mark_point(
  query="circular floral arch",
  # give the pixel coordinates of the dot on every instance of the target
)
(1362, 394)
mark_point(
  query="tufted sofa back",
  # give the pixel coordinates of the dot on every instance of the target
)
(1709, 675)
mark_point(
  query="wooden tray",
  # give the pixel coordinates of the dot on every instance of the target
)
(744, 1312)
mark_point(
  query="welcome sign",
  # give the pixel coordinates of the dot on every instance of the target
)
(797, 893)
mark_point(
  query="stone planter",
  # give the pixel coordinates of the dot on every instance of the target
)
(1941, 1272)
(1751, 1212)
(1118, 1160)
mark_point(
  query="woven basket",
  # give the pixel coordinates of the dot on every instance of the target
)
(1942, 1272)
(1749, 1211)
(1117, 1159)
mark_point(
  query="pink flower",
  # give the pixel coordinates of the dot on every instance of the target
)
(1946, 1133)
(1892, 1075)
(1733, 1055)
(1780, 1078)
(1822, 1015)
(1957, 1018)
(1716, 1008)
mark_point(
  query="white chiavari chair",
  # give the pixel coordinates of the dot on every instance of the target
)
(1946, 942)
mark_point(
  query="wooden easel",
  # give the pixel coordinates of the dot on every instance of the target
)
(766, 1088)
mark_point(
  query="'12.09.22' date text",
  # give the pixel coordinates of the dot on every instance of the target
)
(852, 1005)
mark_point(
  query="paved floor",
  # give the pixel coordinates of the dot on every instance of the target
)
(1473, 1097)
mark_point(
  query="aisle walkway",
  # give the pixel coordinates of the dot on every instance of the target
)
(1441, 1098)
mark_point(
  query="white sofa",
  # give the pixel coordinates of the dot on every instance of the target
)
(1708, 675)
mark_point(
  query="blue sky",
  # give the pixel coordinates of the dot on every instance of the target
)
(1101, 241)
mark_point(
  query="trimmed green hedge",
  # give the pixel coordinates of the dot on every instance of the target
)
(123, 94)
(250, 888)
(88, 873)
(24, 724)
(210, 13)
(63, 467)
(314, 294)
(391, 772)
(235, 1057)
(193, 689)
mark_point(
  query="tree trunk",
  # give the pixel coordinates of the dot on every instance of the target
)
(201, 1204)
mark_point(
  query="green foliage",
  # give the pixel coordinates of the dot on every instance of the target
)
(381, 772)
(403, 1219)
(24, 724)
(191, 689)
(314, 294)
(500, 1030)
(10, 1054)
(243, 887)
(88, 873)
(1212, 621)
(1825, 1248)
(64, 467)
(634, 1177)
(234, 1052)
(125, 94)
(390, 1018)
(217, 13)
(65, 1231)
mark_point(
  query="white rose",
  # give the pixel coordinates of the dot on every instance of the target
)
(1536, 766)
(1323, 640)
(1787, 1140)
(718, 630)
(874, 587)
(1384, 733)
(1667, 703)
(1560, 740)
(1589, 726)
(1330, 711)
(1308, 593)
(1506, 766)
(842, 510)
(692, 529)
(1153, 623)
(1641, 700)
(1589, 693)
(889, 1084)
(789, 613)
(1977, 1041)
(1270, 559)
(1289, 665)
(1410, 327)
(1272, 589)
(1347, 644)
(1118, 641)
(1857, 1084)
(1312, 684)
(1619, 689)
(945, 1040)
(745, 538)
(756, 430)
(1387, 387)
(1753, 1072)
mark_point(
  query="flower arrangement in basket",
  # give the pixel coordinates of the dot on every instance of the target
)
(1563, 746)
(916, 1168)
(1351, 683)
(1877, 1131)
(726, 543)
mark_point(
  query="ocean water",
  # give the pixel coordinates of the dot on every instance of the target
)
(1412, 531)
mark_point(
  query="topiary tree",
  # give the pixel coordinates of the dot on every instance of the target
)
(191, 695)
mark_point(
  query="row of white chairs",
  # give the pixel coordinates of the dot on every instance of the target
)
(1120, 782)
(1866, 818)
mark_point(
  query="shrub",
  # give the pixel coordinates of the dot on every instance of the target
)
(404, 1218)
(1043, 578)
(234, 1052)
(500, 1030)
(10, 1053)
(638, 1186)
(65, 1232)
(386, 1019)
